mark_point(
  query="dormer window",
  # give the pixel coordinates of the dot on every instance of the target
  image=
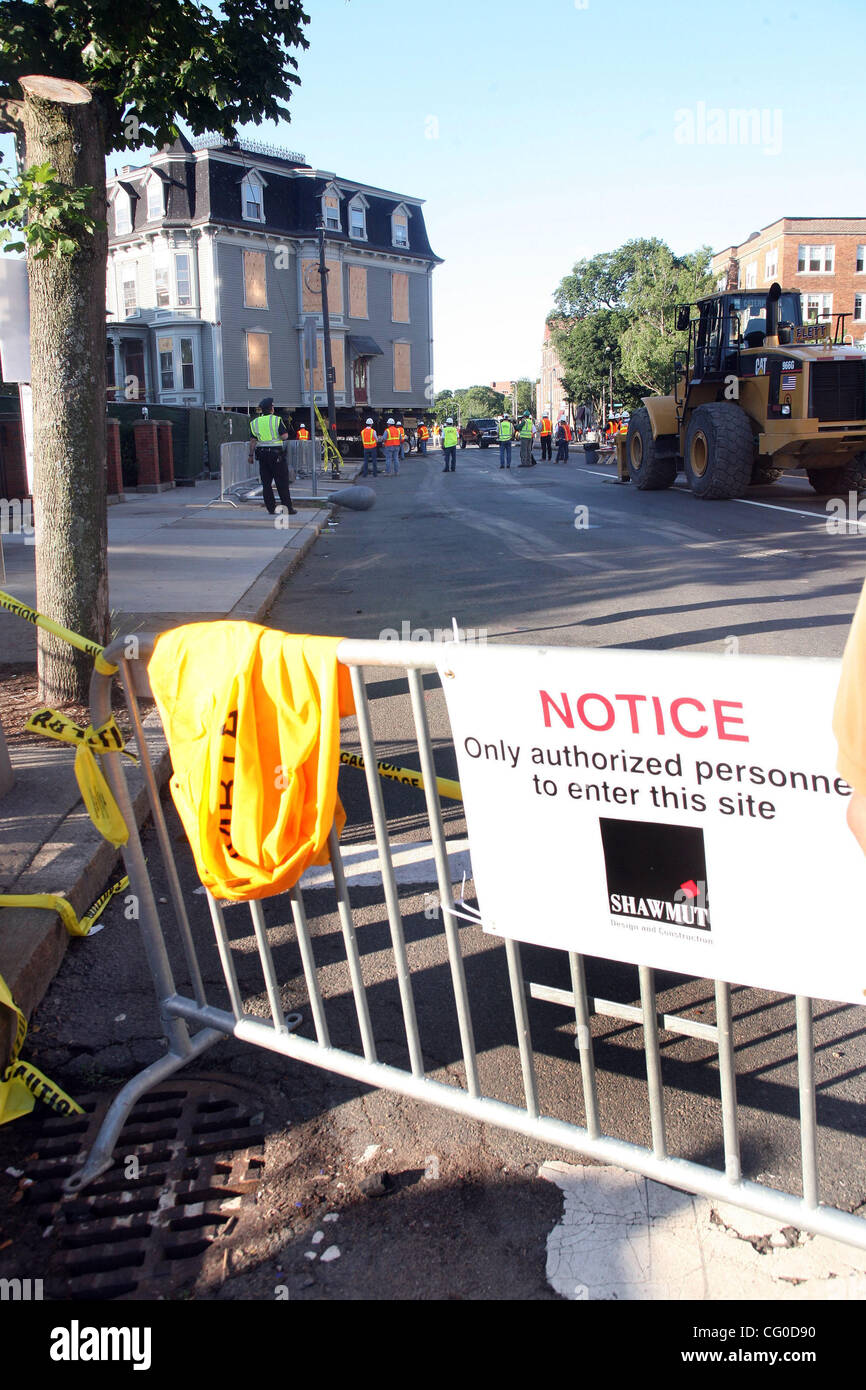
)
(122, 213)
(400, 226)
(331, 208)
(155, 198)
(252, 198)
(358, 218)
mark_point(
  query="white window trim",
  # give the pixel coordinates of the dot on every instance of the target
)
(122, 199)
(183, 251)
(358, 203)
(129, 272)
(253, 180)
(401, 209)
(331, 191)
(861, 317)
(824, 247)
(771, 259)
(162, 265)
(263, 332)
(860, 256)
(155, 182)
(253, 251)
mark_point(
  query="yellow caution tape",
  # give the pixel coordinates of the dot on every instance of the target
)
(101, 806)
(84, 644)
(22, 1084)
(106, 739)
(328, 444)
(407, 775)
(55, 902)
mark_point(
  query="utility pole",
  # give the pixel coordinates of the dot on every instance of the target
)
(326, 330)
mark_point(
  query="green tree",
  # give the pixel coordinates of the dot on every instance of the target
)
(614, 318)
(481, 402)
(78, 79)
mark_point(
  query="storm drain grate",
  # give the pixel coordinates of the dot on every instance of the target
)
(187, 1161)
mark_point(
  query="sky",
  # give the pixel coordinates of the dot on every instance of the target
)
(541, 134)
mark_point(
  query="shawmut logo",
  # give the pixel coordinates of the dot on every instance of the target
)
(77, 1343)
(656, 873)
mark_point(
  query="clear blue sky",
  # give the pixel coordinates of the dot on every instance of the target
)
(541, 133)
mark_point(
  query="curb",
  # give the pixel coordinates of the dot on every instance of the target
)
(77, 861)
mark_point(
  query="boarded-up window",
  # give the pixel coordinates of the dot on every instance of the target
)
(311, 292)
(255, 282)
(357, 292)
(400, 298)
(338, 357)
(402, 367)
(258, 359)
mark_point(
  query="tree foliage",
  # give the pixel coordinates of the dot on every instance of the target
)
(51, 215)
(615, 311)
(156, 61)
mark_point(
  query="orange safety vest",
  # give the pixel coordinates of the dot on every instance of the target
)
(423, 432)
(392, 435)
(303, 432)
(402, 433)
(546, 426)
(368, 438)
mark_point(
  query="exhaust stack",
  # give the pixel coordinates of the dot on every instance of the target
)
(771, 311)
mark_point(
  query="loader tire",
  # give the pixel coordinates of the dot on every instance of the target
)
(851, 477)
(720, 452)
(649, 468)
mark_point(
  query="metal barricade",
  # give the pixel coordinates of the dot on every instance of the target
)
(239, 478)
(194, 1018)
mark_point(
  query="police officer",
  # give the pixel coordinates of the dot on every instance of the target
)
(449, 446)
(268, 430)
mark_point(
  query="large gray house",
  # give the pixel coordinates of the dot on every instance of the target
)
(213, 268)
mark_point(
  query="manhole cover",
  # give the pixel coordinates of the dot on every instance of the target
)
(186, 1162)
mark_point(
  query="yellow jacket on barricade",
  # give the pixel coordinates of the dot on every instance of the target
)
(252, 718)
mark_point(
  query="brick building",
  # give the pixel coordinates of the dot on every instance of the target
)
(822, 257)
(550, 392)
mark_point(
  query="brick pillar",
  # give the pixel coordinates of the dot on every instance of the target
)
(146, 455)
(166, 452)
(114, 471)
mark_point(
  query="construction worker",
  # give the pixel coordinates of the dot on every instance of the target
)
(526, 434)
(506, 434)
(268, 433)
(391, 442)
(423, 436)
(303, 433)
(449, 445)
(370, 441)
(402, 439)
(562, 441)
(545, 430)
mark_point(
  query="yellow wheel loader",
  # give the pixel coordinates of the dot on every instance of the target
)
(757, 392)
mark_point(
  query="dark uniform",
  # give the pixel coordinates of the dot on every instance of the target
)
(268, 431)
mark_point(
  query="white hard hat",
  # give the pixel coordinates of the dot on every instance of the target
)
(399, 422)
(369, 422)
(449, 421)
(390, 421)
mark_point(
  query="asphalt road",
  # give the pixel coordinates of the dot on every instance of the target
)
(463, 1214)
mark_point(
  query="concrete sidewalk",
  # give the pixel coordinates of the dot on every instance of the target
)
(172, 559)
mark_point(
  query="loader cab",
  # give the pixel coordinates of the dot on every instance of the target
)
(729, 323)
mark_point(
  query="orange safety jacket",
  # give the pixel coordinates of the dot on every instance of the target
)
(303, 432)
(392, 435)
(423, 432)
(368, 438)
(546, 426)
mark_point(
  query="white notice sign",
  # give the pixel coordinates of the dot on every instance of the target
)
(679, 811)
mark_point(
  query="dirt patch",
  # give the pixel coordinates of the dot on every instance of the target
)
(19, 697)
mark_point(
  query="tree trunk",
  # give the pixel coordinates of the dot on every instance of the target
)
(62, 128)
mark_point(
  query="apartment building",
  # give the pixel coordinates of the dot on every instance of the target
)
(214, 266)
(550, 392)
(822, 257)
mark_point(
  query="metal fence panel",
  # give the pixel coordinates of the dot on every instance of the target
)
(197, 1015)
